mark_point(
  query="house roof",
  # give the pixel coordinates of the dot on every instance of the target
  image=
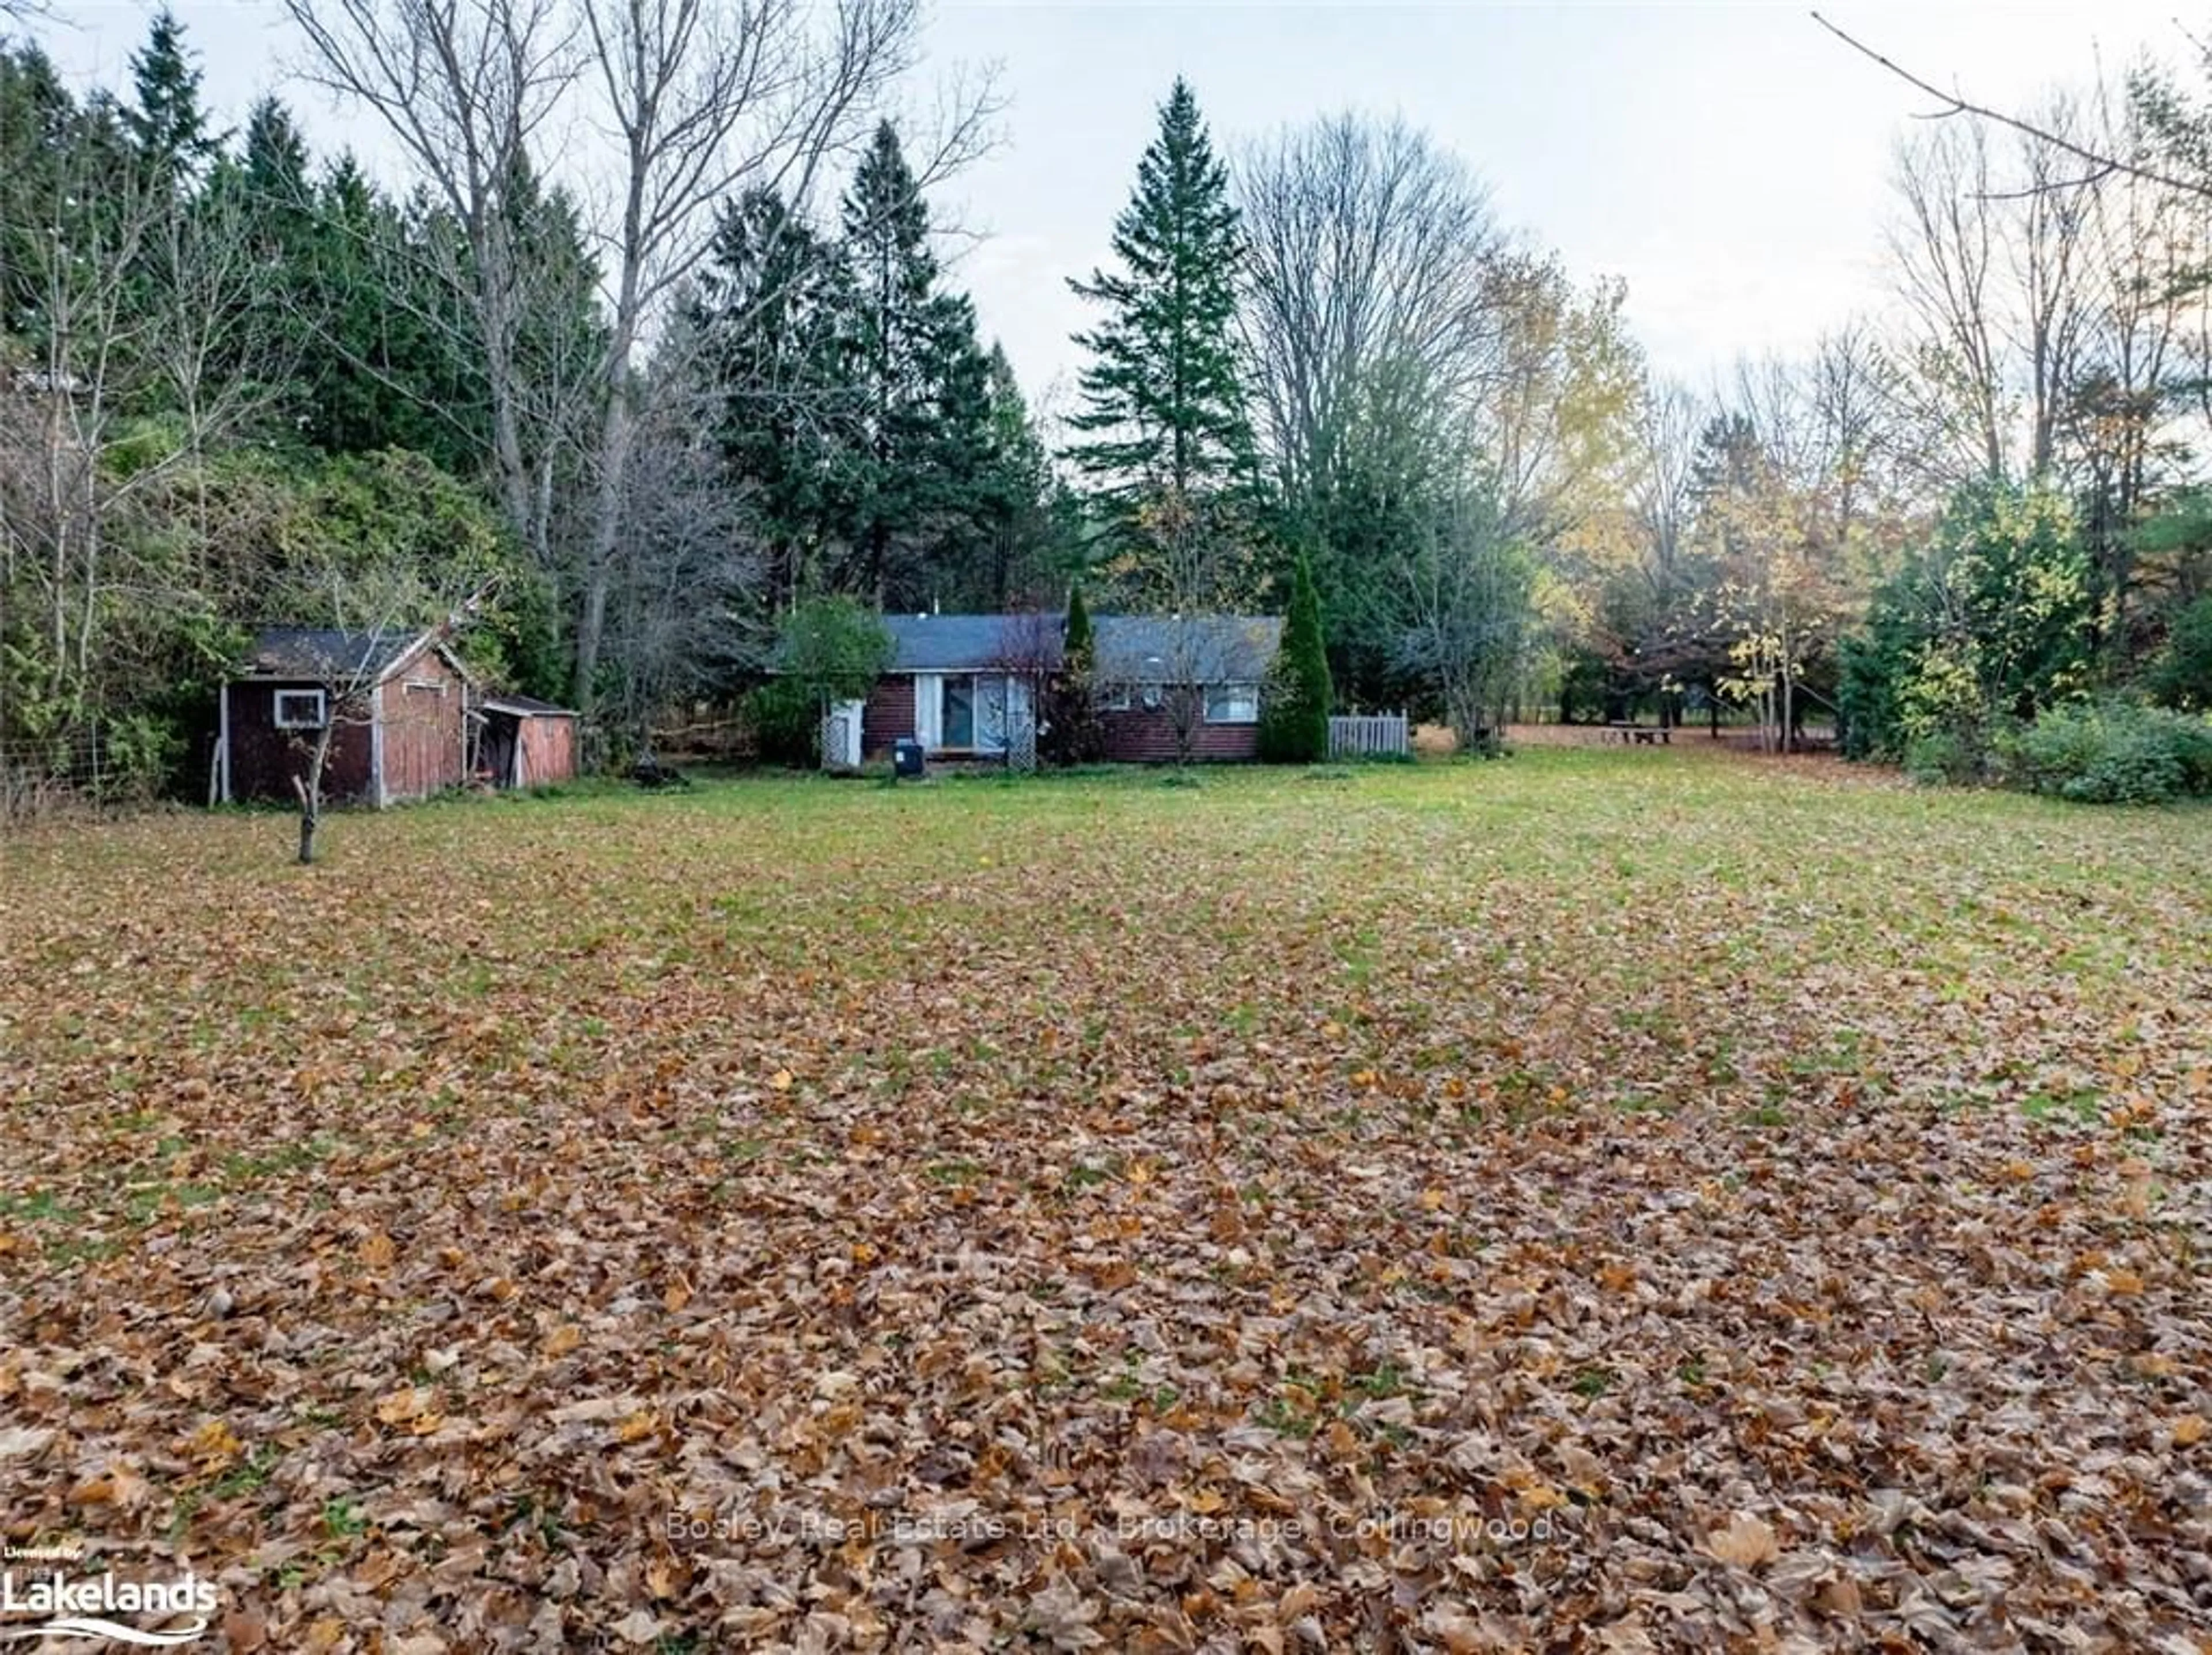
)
(328, 654)
(1196, 649)
(1131, 648)
(958, 643)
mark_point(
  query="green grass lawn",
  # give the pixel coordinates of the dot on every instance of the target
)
(1410, 1207)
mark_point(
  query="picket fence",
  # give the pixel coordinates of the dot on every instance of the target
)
(1364, 735)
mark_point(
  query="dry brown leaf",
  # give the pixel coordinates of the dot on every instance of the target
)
(1748, 1542)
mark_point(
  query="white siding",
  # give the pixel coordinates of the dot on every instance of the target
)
(929, 709)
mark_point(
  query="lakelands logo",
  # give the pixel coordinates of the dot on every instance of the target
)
(86, 1607)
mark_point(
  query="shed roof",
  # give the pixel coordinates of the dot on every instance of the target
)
(328, 653)
(526, 706)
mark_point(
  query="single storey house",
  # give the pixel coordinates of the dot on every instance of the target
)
(1157, 673)
(967, 686)
(396, 704)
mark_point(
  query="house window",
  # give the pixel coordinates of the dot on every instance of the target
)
(956, 724)
(1232, 703)
(973, 712)
(300, 709)
(1115, 700)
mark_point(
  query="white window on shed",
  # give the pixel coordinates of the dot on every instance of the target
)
(302, 709)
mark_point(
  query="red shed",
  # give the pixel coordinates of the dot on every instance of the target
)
(524, 742)
(398, 703)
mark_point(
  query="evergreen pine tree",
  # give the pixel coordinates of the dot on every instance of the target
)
(386, 360)
(910, 486)
(1166, 436)
(167, 125)
(1073, 732)
(1294, 724)
(39, 123)
(771, 308)
(275, 160)
(1022, 547)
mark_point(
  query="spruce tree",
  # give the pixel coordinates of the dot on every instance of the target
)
(771, 308)
(912, 482)
(1166, 439)
(1021, 541)
(1294, 725)
(1072, 734)
(167, 125)
(275, 160)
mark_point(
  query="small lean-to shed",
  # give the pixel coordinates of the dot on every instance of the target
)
(523, 742)
(396, 704)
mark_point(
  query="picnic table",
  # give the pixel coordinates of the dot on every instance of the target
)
(1642, 735)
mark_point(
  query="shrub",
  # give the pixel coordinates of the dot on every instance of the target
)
(141, 752)
(1943, 759)
(2112, 753)
(1989, 621)
(787, 722)
(2182, 675)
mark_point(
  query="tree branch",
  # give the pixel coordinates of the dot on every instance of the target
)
(1954, 105)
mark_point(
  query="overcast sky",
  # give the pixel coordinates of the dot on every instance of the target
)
(1730, 162)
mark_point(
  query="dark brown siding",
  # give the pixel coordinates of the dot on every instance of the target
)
(1142, 736)
(549, 751)
(423, 714)
(264, 759)
(889, 714)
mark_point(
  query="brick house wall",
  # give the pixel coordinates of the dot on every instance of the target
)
(888, 715)
(1146, 736)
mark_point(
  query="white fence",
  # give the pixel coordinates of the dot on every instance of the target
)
(1362, 735)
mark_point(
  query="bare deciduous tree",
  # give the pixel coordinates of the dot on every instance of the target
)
(707, 98)
(700, 98)
(96, 344)
(464, 86)
(1368, 249)
(1467, 590)
(677, 620)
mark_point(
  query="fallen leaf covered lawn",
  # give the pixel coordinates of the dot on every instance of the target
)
(1595, 1201)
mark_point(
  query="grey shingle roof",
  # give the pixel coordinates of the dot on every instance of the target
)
(1200, 649)
(325, 653)
(958, 643)
(1131, 648)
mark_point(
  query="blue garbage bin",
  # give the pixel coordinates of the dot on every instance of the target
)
(905, 757)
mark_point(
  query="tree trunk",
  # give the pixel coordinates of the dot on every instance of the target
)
(616, 432)
(599, 557)
(310, 789)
